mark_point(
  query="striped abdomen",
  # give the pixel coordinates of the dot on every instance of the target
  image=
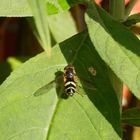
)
(70, 88)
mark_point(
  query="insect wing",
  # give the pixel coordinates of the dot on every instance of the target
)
(85, 84)
(45, 89)
(53, 84)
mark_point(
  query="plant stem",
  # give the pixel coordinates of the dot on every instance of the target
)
(129, 8)
(117, 9)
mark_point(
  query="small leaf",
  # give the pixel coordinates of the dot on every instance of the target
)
(57, 6)
(131, 117)
(133, 19)
(14, 62)
(9, 65)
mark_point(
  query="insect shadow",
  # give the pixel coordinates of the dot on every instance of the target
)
(57, 83)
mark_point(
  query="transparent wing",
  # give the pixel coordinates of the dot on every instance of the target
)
(53, 84)
(46, 88)
(86, 84)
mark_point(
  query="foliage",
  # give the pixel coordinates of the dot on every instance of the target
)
(94, 113)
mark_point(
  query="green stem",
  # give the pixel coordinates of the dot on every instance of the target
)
(129, 8)
(117, 9)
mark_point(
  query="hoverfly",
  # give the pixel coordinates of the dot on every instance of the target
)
(69, 80)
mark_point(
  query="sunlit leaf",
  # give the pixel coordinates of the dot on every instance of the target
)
(14, 8)
(95, 115)
(59, 32)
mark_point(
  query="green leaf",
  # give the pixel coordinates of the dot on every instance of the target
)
(60, 33)
(40, 16)
(14, 8)
(131, 116)
(129, 8)
(117, 46)
(117, 85)
(95, 115)
(8, 66)
(14, 62)
(133, 19)
(58, 6)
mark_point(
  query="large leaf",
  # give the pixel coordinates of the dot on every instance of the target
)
(94, 115)
(57, 6)
(117, 46)
(61, 33)
(131, 117)
(14, 8)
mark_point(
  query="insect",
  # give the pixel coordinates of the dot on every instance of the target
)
(69, 77)
(66, 80)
